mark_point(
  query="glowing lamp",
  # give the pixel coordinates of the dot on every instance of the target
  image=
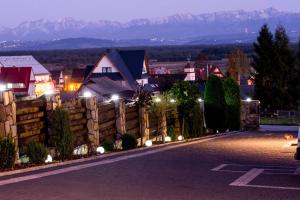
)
(148, 143)
(200, 100)
(49, 92)
(115, 97)
(173, 101)
(2, 87)
(168, 139)
(49, 159)
(100, 150)
(248, 99)
(157, 100)
(87, 94)
(180, 138)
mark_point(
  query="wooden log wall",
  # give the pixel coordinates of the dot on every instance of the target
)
(78, 120)
(31, 120)
(132, 120)
(107, 120)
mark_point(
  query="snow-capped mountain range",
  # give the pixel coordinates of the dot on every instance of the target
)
(226, 26)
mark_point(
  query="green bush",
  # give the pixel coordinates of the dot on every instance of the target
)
(36, 152)
(215, 105)
(129, 141)
(60, 135)
(108, 145)
(7, 153)
(233, 101)
(171, 132)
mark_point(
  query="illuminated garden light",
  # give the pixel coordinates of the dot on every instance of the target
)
(49, 159)
(148, 143)
(200, 100)
(173, 101)
(157, 100)
(100, 150)
(168, 139)
(180, 138)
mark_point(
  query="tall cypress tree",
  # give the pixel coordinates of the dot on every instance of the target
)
(283, 70)
(263, 63)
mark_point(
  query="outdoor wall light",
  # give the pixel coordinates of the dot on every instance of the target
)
(180, 138)
(157, 100)
(49, 159)
(148, 143)
(248, 99)
(100, 150)
(168, 139)
(115, 97)
(87, 94)
(2, 87)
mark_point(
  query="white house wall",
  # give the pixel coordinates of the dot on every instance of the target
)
(105, 62)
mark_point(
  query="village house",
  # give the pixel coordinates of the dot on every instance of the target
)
(128, 67)
(42, 76)
(19, 79)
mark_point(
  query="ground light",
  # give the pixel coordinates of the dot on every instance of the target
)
(200, 100)
(115, 97)
(168, 139)
(87, 94)
(100, 150)
(49, 159)
(148, 143)
(180, 138)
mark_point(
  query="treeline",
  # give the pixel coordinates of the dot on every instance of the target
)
(277, 82)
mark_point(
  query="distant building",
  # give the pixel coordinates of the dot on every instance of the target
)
(42, 76)
(20, 79)
(127, 67)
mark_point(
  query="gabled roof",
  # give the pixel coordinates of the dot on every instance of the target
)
(24, 61)
(16, 75)
(130, 64)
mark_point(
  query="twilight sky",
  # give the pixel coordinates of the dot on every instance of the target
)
(15, 11)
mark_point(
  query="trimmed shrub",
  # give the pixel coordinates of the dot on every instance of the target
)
(233, 101)
(108, 145)
(36, 152)
(7, 153)
(129, 141)
(215, 105)
(171, 132)
(60, 133)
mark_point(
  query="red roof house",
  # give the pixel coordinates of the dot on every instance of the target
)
(19, 79)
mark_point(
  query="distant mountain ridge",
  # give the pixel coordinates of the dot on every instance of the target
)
(218, 27)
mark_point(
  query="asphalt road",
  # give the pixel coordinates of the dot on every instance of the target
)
(252, 165)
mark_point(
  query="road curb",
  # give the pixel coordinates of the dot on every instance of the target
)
(81, 160)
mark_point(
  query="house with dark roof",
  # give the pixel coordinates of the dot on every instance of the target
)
(127, 67)
(20, 79)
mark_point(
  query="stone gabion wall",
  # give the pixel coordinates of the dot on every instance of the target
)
(92, 121)
(250, 114)
(8, 125)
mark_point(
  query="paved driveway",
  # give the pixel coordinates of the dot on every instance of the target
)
(252, 165)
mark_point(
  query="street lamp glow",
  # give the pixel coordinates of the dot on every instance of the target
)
(87, 94)
(248, 99)
(100, 150)
(168, 139)
(49, 159)
(115, 97)
(180, 138)
(157, 100)
(200, 100)
(173, 101)
(2, 87)
(148, 143)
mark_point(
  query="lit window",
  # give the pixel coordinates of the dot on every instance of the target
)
(9, 85)
(106, 69)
